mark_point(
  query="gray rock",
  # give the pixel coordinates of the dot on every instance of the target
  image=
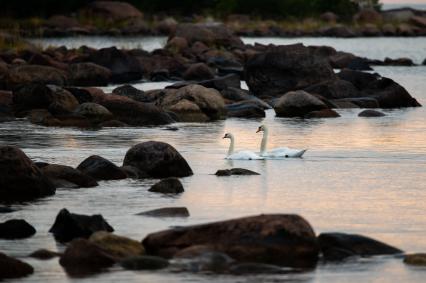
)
(371, 113)
(235, 171)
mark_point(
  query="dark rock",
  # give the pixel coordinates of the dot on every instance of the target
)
(13, 268)
(415, 259)
(101, 168)
(219, 83)
(167, 212)
(371, 113)
(94, 112)
(286, 240)
(89, 74)
(399, 62)
(198, 71)
(359, 64)
(20, 178)
(158, 160)
(168, 186)
(6, 209)
(16, 229)
(235, 171)
(368, 16)
(61, 172)
(144, 262)
(118, 246)
(44, 254)
(68, 225)
(208, 261)
(80, 94)
(256, 268)
(82, 258)
(359, 102)
(329, 17)
(285, 68)
(334, 89)
(337, 246)
(27, 74)
(338, 31)
(245, 109)
(113, 124)
(131, 92)
(297, 104)
(325, 113)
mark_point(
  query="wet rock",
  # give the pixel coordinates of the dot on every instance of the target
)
(117, 246)
(245, 109)
(56, 173)
(100, 168)
(359, 102)
(94, 112)
(371, 113)
(44, 254)
(20, 178)
(235, 171)
(286, 68)
(144, 263)
(167, 212)
(286, 240)
(113, 124)
(208, 261)
(337, 246)
(334, 89)
(198, 71)
(82, 95)
(13, 268)
(16, 229)
(89, 74)
(27, 74)
(256, 268)
(325, 113)
(399, 62)
(43, 117)
(297, 104)
(82, 258)
(6, 209)
(131, 92)
(168, 186)
(157, 159)
(415, 259)
(112, 11)
(68, 225)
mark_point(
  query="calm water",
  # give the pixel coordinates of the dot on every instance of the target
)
(360, 175)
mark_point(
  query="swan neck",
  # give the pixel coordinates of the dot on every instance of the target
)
(264, 142)
(231, 146)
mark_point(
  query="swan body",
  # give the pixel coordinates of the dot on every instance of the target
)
(240, 155)
(281, 152)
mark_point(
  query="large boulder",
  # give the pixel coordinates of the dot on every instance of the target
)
(88, 74)
(334, 89)
(158, 160)
(168, 186)
(94, 112)
(25, 74)
(59, 173)
(13, 268)
(194, 103)
(101, 169)
(69, 226)
(16, 229)
(286, 240)
(297, 104)
(112, 10)
(286, 68)
(20, 178)
(117, 246)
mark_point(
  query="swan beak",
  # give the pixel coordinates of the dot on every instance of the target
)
(224, 137)
(258, 130)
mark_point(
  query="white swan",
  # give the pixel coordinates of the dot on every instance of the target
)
(276, 152)
(240, 155)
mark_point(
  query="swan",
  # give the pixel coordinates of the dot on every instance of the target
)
(276, 152)
(240, 155)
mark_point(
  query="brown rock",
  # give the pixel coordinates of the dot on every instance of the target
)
(13, 268)
(117, 246)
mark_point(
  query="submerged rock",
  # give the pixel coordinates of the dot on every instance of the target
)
(16, 229)
(235, 171)
(245, 109)
(371, 113)
(415, 259)
(94, 112)
(208, 261)
(286, 240)
(57, 173)
(117, 246)
(325, 113)
(144, 263)
(13, 268)
(44, 254)
(157, 160)
(100, 168)
(168, 186)
(167, 212)
(256, 268)
(297, 104)
(68, 225)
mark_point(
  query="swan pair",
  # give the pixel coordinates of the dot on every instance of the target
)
(281, 152)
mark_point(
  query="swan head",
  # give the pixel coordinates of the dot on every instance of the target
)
(261, 128)
(228, 136)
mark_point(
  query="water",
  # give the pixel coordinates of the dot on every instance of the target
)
(360, 175)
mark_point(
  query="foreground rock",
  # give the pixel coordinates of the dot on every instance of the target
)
(338, 246)
(60, 173)
(157, 160)
(297, 104)
(101, 169)
(68, 226)
(16, 229)
(43, 254)
(167, 212)
(415, 259)
(144, 263)
(168, 186)
(286, 240)
(371, 113)
(235, 171)
(20, 178)
(117, 246)
(13, 268)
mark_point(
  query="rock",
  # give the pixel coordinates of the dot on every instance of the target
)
(27, 74)
(144, 262)
(16, 229)
(338, 31)
(113, 124)
(6, 100)
(13, 268)
(6, 209)
(177, 44)
(89, 74)
(124, 67)
(370, 30)
(208, 261)
(131, 92)
(405, 30)
(68, 225)
(56, 173)
(62, 22)
(359, 102)
(112, 10)
(415, 259)
(399, 62)
(20, 178)
(245, 109)
(43, 117)
(297, 104)
(368, 16)
(337, 246)
(329, 17)
(94, 112)
(285, 68)
(221, 83)
(168, 186)
(325, 113)
(101, 169)
(256, 268)
(235, 171)
(198, 71)
(419, 21)
(44, 254)
(117, 246)
(389, 30)
(334, 89)
(194, 103)
(158, 160)
(83, 258)
(167, 212)
(285, 240)
(82, 95)
(371, 113)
